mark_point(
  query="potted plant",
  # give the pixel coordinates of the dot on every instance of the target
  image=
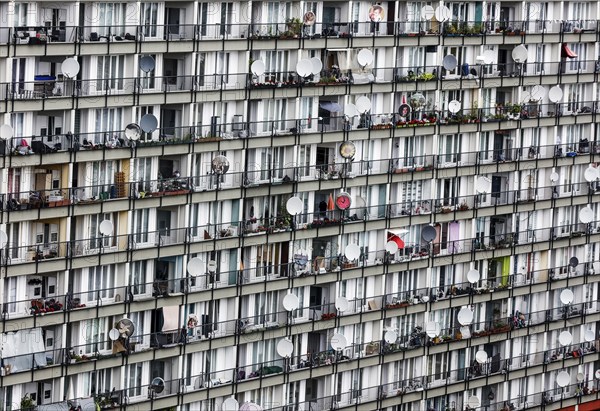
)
(294, 26)
(27, 403)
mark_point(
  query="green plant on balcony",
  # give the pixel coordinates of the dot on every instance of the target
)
(426, 76)
(294, 26)
(27, 403)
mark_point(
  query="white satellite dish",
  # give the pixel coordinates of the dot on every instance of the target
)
(317, 65)
(538, 92)
(285, 348)
(597, 374)
(481, 357)
(555, 94)
(483, 185)
(449, 62)
(6, 132)
(473, 402)
(442, 13)
(580, 377)
(563, 378)
(566, 296)
(70, 67)
(230, 404)
(391, 247)
(554, 177)
(148, 123)
(589, 335)
(526, 96)
(363, 104)
(3, 239)
(133, 131)
(352, 252)
(390, 336)
(106, 227)
(195, 266)
(454, 106)
(258, 68)
(427, 12)
(473, 276)
(465, 316)
(489, 56)
(591, 174)
(304, 67)
(291, 302)
(586, 215)
(338, 342)
(114, 334)
(350, 110)
(519, 54)
(565, 338)
(433, 329)
(147, 64)
(294, 205)
(364, 57)
(341, 304)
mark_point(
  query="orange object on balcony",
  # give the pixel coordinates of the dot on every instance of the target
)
(567, 52)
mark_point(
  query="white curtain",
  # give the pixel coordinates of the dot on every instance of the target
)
(23, 350)
(170, 319)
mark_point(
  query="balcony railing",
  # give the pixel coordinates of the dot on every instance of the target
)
(417, 338)
(116, 139)
(52, 87)
(40, 34)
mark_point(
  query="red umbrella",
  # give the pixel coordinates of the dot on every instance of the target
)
(393, 237)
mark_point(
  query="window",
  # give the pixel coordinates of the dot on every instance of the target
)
(276, 12)
(142, 173)
(20, 14)
(139, 224)
(276, 65)
(412, 151)
(227, 13)
(450, 148)
(304, 163)
(17, 122)
(97, 382)
(101, 174)
(459, 53)
(101, 280)
(306, 112)
(96, 334)
(133, 379)
(110, 71)
(579, 62)
(94, 230)
(203, 17)
(149, 18)
(11, 293)
(274, 115)
(137, 276)
(540, 53)
(107, 120)
(110, 16)
(222, 68)
(271, 163)
(14, 180)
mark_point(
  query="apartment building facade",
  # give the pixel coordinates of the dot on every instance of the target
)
(299, 205)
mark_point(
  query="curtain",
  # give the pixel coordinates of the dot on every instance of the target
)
(170, 319)
(23, 350)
